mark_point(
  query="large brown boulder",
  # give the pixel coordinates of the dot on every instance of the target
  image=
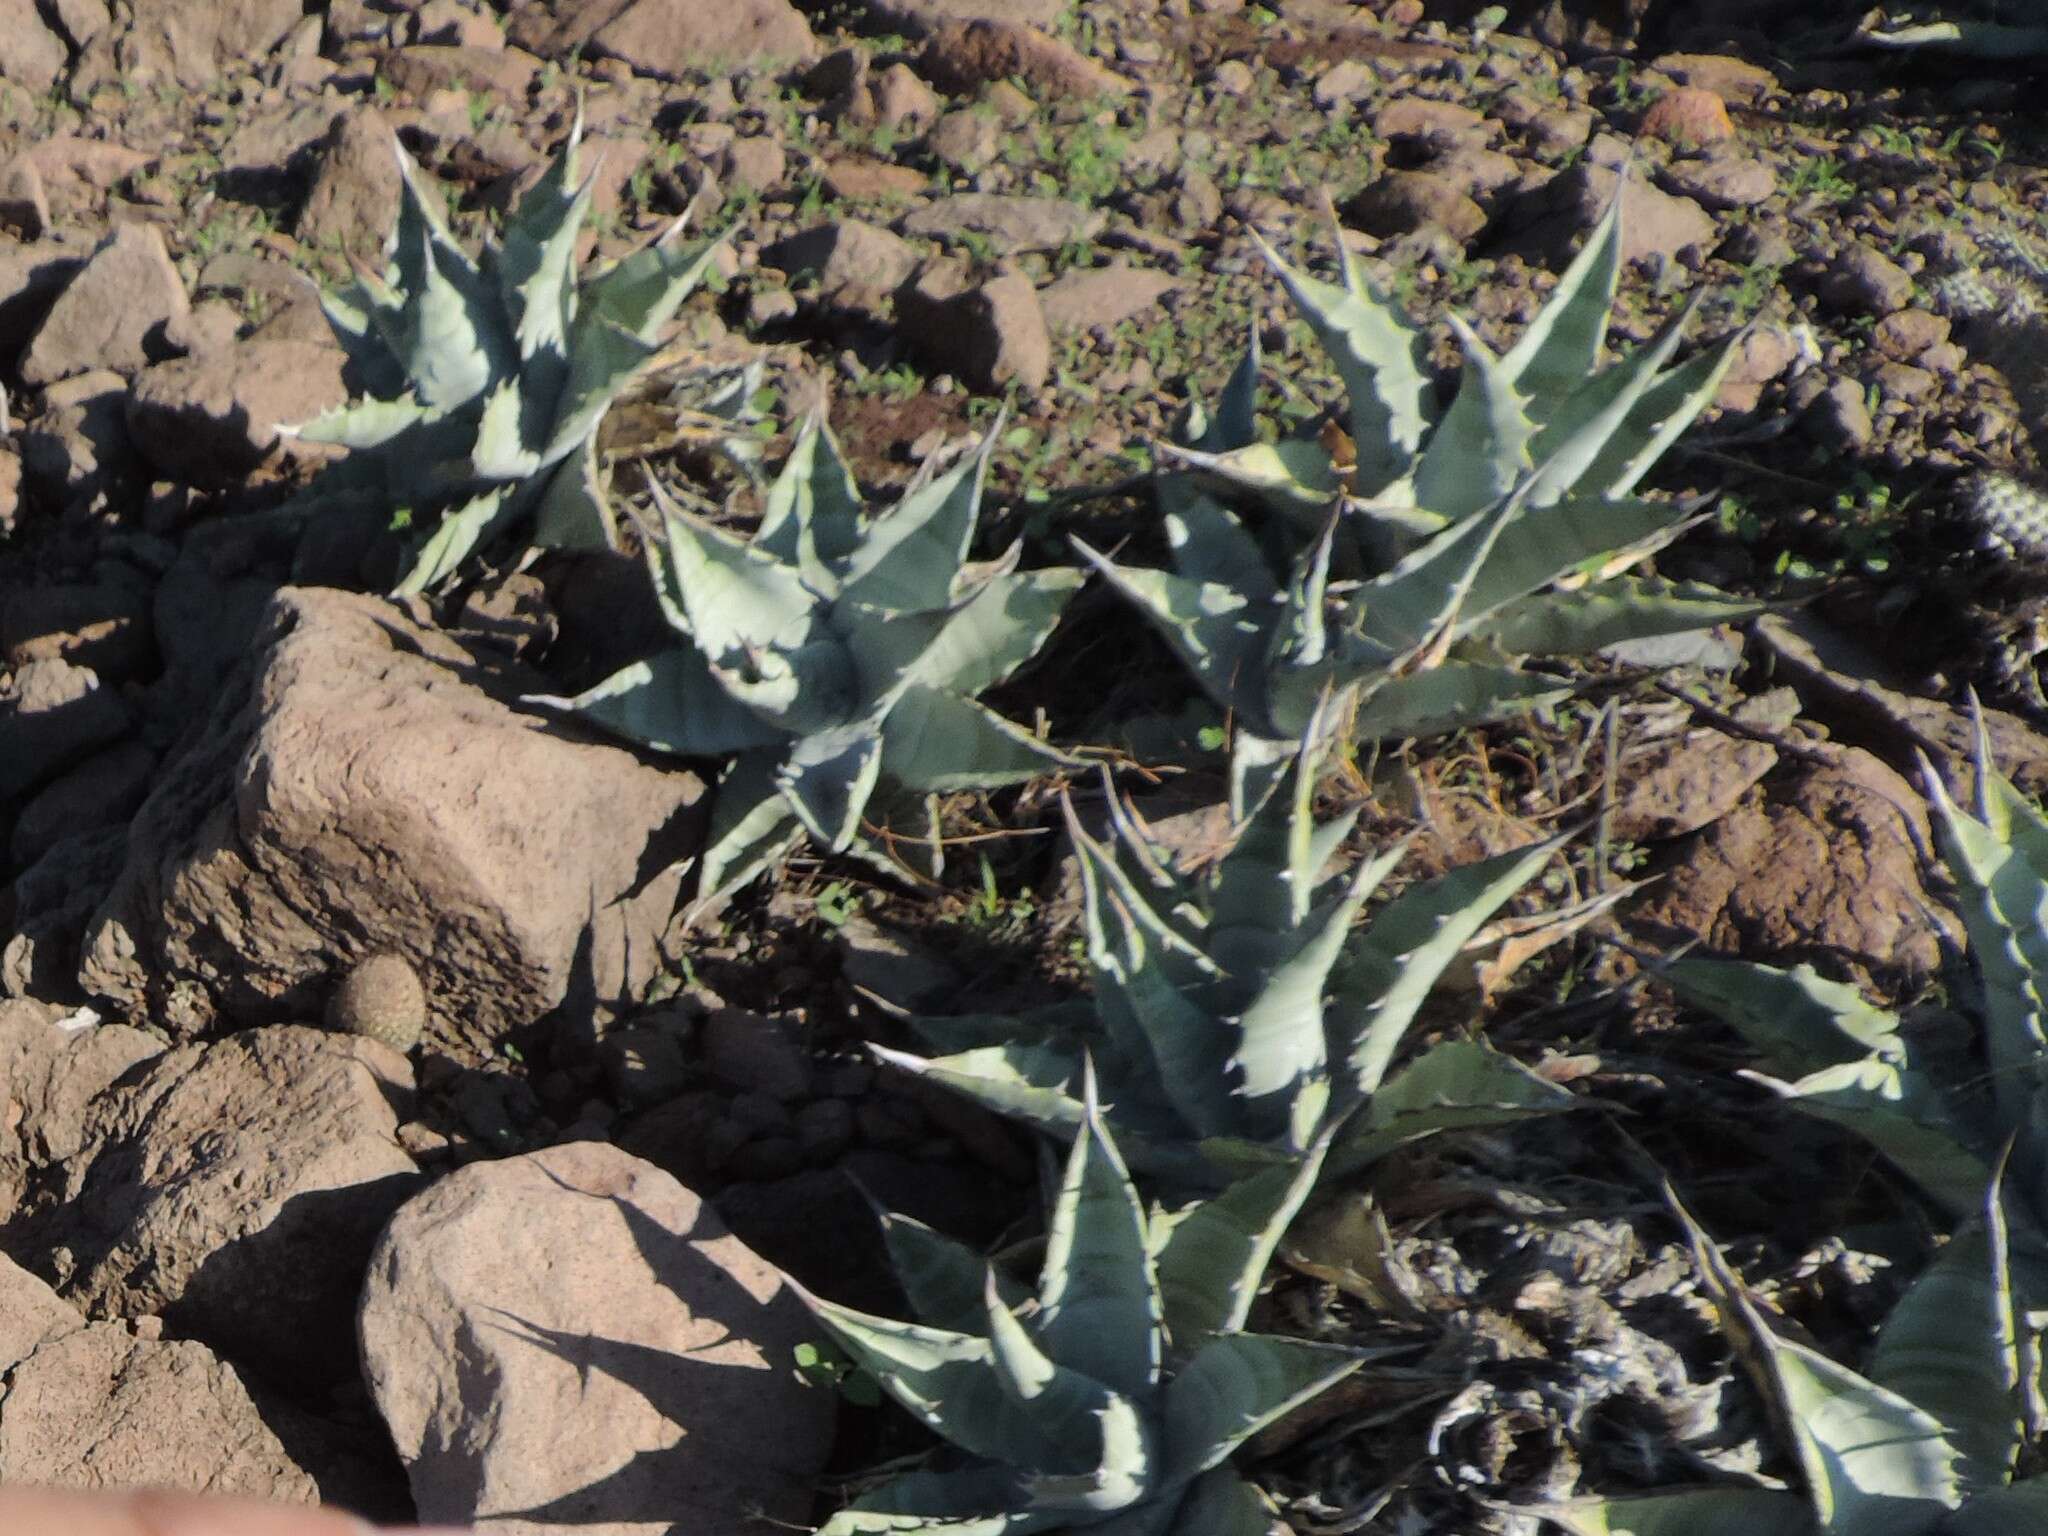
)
(370, 786)
(571, 1340)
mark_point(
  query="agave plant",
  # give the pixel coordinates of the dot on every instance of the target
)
(1924, 1442)
(831, 653)
(1941, 1121)
(488, 377)
(1237, 1020)
(1112, 1397)
(1461, 542)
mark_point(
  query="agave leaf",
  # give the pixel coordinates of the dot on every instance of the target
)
(1951, 1346)
(573, 512)
(948, 1381)
(942, 742)
(644, 291)
(1207, 623)
(1119, 1474)
(1693, 1512)
(459, 532)
(1280, 1041)
(1395, 961)
(1213, 1254)
(1798, 1018)
(811, 518)
(737, 598)
(603, 359)
(1480, 449)
(912, 556)
(2021, 1506)
(1665, 410)
(1220, 1503)
(351, 316)
(945, 1280)
(1874, 1463)
(1208, 544)
(1897, 1110)
(449, 331)
(1588, 618)
(1456, 1085)
(975, 1500)
(1449, 697)
(501, 451)
(828, 776)
(1026, 1080)
(1098, 1300)
(1235, 1386)
(536, 263)
(1295, 473)
(2004, 901)
(367, 423)
(1379, 356)
(1064, 1406)
(1560, 348)
(669, 702)
(997, 630)
(752, 827)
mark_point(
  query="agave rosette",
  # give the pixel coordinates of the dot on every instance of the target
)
(1408, 561)
(832, 653)
(1238, 1016)
(488, 376)
(1110, 1397)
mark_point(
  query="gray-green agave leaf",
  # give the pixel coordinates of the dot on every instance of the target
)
(1411, 543)
(488, 376)
(1112, 1396)
(831, 653)
(1237, 1016)
(1924, 1442)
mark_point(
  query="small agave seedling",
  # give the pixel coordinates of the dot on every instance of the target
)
(1923, 1443)
(1497, 530)
(1942, 1123)
(1110, 1399)
(830, 653)
(1237, 1019)
(488, 378)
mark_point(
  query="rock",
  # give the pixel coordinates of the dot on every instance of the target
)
(104, 625)
(78, 451)
(920, 18)
(1687, 118)
(193, 42)
(756, 163)
(24, 205)
(758, 1053)
(54, 899)
(863, 179)
(989, 335)
(52, 715)
(1101, 298)
(1346, 81)
(1549, 127)
(1011, 225)
(102, 791)
(353, 201)
(1402, 202)
(1551, 217)
(1864, 281)
(1904, 335)
(1822, 868)
(501, 72)
(31, 277)
(1728, 78)
(1437, 126)
(99, 1407)
(211, 420)
(235, 1188)
(453, 24)
(1838, 415)
(381, 999)
(664, 38)
(639, 1377)
(647, 1063)
(1686, 783)
(967, 139)
(1721, 184)
(858, 265)
(31, 1314)
(53, 1075)
(32, 54)
(112, 313)
(366, 788)
(1762, 356)
(960, 57)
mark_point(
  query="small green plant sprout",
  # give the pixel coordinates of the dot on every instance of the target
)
(1924, 1442)
(1111, 1397)
(1237, 1019)
(488, 377)
(1409, 560)
(832, 653)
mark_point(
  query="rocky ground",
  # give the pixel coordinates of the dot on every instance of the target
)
(229, 777)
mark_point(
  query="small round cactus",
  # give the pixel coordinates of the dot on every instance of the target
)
(381, 997)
